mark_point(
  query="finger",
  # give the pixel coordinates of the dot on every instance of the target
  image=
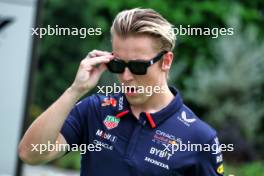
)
(96, 53)
(99, 60)
(96, 74)
(101, 53)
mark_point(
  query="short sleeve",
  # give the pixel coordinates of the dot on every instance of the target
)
(74, 126)
(211, 162)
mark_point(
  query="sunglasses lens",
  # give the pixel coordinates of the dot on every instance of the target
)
(138, 68)
(115, 66)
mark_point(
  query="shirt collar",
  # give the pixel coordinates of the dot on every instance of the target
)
(158, 117)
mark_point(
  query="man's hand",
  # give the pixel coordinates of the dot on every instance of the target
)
(90, 70)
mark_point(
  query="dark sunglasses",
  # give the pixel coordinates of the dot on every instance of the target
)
(137, 67)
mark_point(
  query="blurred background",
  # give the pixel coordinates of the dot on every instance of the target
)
(221, 79)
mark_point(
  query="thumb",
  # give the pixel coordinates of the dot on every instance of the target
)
(101, 69)
(95, 76)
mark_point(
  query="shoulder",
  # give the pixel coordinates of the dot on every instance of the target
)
(196, 129)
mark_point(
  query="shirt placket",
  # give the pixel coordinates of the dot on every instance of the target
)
(133, 141)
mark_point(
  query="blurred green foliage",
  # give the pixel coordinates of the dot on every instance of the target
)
(230, 91)
(247, 169)
(221, 79)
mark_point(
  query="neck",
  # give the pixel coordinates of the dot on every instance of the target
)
(155, 103)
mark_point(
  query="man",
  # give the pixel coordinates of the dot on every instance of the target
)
(139, 133)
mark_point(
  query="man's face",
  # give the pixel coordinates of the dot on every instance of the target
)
(135, 48)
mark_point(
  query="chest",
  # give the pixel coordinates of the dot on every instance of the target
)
(130, 143)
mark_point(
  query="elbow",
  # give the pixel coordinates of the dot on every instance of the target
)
(26, 156)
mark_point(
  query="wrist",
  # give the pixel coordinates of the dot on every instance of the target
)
(75, 93)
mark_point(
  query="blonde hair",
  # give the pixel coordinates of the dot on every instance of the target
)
(147, 22)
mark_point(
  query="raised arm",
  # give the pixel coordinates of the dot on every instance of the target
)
(46, 128)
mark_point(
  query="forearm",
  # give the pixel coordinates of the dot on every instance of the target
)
(48, 125)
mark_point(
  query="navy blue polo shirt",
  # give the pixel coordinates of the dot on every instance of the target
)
(146, 146)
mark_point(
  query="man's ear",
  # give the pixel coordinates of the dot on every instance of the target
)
(167, 61)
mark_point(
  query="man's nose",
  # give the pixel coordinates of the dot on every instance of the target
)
(127, 75)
